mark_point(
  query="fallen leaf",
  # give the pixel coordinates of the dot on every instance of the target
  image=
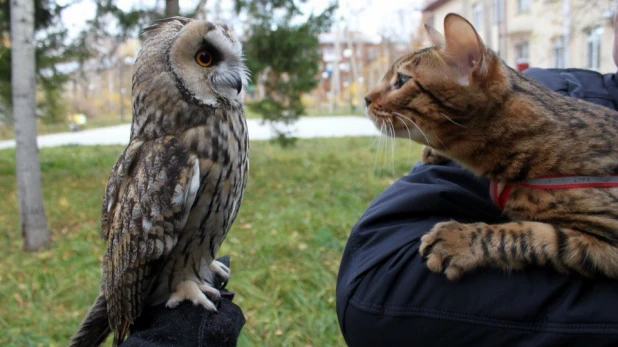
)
(63, 202)
(18, 298)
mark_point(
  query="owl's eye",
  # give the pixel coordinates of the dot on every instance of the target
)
(203, 58)
(401, 80)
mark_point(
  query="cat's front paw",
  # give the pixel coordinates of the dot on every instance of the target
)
(446, 248)
(431, 156)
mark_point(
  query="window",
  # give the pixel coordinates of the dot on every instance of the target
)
(523, 6)
(328, 53)
(522, 52)
(477, 16)
(558, 49)
(593, 48)
(498, 11)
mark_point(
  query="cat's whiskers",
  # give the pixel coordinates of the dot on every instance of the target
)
(392, 145)
(409, 138)
(403, 119)
(379, 147)
(452, 121)
(405, 125)
(436, 136)
(386, 134)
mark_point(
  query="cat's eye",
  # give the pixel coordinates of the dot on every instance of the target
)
(203, 58)
(401, 80)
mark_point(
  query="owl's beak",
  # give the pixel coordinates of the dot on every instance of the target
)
(238, 84)
(228, 82)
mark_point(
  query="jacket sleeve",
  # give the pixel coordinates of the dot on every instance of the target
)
(387, 297)
(579, 83)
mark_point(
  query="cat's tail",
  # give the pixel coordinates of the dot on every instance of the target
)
(94, 329)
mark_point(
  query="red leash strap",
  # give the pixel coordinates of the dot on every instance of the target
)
(500, 191)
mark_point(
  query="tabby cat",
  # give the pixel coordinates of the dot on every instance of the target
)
(459, 99)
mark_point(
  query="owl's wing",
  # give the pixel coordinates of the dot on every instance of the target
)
(150, 192)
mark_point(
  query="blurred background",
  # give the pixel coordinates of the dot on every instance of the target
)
(86, 48)
(311, 63)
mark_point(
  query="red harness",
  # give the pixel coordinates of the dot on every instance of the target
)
(500, 191)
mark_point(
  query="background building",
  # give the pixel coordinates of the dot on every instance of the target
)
(352, 62)
(538, 33)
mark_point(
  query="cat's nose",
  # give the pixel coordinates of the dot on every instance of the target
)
(367, 101)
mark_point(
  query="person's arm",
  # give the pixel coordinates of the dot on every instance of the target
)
(189, 325)
(387, 297)
(579, 83)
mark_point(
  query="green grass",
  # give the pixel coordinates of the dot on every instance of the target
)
(286, 244)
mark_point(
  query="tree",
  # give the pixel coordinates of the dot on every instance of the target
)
(111, 22)
(283, 54)
(51, 49)
(172, 8)
(127, 24)
(23, 82)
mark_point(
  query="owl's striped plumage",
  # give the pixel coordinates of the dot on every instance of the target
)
(175, 190)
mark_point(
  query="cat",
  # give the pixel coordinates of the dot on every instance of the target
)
(460, 100)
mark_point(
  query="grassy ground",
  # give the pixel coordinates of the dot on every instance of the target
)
(286, 244)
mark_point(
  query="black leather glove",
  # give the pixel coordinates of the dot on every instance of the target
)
(189, 325)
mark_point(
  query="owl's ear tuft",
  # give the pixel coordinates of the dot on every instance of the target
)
(160, 24)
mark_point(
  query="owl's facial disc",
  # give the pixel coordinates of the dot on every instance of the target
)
(207, 62)
(224, 76)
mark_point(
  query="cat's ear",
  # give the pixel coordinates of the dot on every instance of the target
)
(464, 48)
(435, 37)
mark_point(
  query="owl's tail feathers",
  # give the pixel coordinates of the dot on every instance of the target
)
(94, 329)
(121, 333)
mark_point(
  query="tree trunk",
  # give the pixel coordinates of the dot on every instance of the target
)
(202, 13)
(172, 8)
(32, 214)
(121, 90)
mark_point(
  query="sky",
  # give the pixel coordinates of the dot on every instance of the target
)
(372, 17)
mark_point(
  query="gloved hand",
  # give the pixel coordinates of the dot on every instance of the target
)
(189, 325)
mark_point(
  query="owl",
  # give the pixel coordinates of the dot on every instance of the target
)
(174, 192)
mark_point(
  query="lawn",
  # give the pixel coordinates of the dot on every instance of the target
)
(286, 244)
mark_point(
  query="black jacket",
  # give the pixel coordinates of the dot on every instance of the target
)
(387, 297)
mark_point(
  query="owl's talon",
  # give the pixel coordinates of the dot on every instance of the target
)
(212, 293)
(189, 290)
(221, 270)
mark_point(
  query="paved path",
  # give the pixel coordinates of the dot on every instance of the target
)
(305, 128)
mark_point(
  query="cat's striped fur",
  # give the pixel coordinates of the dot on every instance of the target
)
(463, 102)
